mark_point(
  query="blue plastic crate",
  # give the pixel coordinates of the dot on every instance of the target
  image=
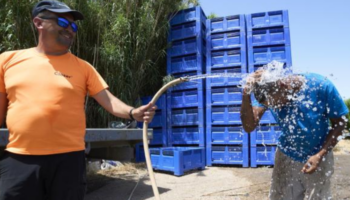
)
(269, 36)
(264, 55)
(161, 102)
(267, 118)
(185, 98)
(227, 58)
(228, 155)
(188, 46)
(188, 30)
(224, 80)
(178, 159)
(226, 135)
(267, 19)
(223, 115)
(186, 136)
(228, 40)
(194, 84)
(224, 96)
(140, 153)
(225, 24)
(186, 117)
(187, 15)
(159, 119)
(191, 63)
(262, 155)
(265, 135)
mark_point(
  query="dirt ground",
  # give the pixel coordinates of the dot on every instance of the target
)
(213, 183)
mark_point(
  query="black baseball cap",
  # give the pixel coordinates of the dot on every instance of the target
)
(55, 7)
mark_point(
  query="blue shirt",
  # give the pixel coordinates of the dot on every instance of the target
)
(305, 121)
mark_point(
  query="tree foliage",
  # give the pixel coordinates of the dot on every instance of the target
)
(125, 40)
(347, 103)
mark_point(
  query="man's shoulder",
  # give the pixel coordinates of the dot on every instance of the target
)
(10, 54)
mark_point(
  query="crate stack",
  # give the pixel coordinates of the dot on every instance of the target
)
(158, 125)
(268, 39)
(226, 143)
(186, 57)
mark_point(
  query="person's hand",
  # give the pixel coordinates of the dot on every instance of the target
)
(251, 80)
(144, 113)
(311, 164)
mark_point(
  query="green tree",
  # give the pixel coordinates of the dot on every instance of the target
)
(125, 40)
(347, 103)
(211, 16)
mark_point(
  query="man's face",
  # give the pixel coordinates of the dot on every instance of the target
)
(273, 95)
(55, 34)
(277, 97)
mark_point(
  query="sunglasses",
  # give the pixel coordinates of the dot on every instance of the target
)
(64, 23)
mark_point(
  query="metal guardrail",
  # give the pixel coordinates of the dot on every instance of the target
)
(97, 135)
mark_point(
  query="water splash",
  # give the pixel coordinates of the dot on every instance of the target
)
(215, 75)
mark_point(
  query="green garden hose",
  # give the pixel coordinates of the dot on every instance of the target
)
(145, 137)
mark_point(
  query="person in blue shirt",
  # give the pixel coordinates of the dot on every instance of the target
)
(311, 114)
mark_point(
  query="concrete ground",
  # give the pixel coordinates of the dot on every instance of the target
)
(213, 183)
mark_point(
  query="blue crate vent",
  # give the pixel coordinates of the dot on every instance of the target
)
(195, 46)
(227, 115)
(262, 155)
(186, 136)
(161, 102)
(224, 80)
(186, 117)
(191, 63)
(194, 84)
(267, 19)
(265, 135)
(186, 98)
(228, 40)
(253, 68)
(187, 15)
(227, 58)
(140, 153)
(269, 36)
(188, 30)
(224, 96)
(226, 135)
(225, 24)
(228, 155)
(264, 55)
(178, 159)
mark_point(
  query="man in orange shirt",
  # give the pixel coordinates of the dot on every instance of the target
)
(42, 89)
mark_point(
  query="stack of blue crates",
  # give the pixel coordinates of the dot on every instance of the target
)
(185, 102)
(158, 125)
(268, 39)
(226, 141)
(186, 57)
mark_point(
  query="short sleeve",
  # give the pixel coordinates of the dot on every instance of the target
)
(255, 103)
(335, 104)
(95, 83)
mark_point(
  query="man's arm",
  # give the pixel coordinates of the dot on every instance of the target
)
(250, 115)
(3, 107)
(119, 109)
(338, 125)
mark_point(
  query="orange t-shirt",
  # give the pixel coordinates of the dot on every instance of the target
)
(46, 96)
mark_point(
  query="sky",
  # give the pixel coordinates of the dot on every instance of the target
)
(319, 31)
